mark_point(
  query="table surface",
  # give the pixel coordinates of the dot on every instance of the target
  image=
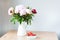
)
(11, 35)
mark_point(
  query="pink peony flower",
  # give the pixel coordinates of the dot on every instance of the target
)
(22, 12)
(34, 11)
(28, 11)
(19, 8)
(11, 11)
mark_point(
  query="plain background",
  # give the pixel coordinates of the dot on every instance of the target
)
(46, 19)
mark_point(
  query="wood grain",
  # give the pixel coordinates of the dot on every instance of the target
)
(11, 35)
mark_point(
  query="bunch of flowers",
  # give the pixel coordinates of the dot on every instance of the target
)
(21, 14)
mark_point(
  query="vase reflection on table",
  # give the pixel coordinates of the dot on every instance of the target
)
(25, 38)
(21, 38)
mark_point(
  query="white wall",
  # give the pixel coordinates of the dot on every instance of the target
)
(5, 25)
(47, 18)
(1, 18)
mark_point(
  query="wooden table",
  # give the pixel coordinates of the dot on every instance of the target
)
(11, 35)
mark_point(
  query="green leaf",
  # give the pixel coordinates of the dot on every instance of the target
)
(25, 18)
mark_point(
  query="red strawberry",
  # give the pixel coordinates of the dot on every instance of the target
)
(34, 35)
(28, 34)
(31, 34)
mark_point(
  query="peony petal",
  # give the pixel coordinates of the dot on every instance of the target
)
(19, 8)
(34, 11)
(22, 12)
(28, 11)
(11, 11)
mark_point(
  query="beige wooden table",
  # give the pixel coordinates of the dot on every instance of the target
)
(11, 35)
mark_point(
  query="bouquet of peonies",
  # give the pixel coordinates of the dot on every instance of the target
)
(21, 14)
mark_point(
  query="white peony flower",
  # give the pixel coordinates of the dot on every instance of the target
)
(22, 12)
(11, 11)
(19, 8)
(28, 11)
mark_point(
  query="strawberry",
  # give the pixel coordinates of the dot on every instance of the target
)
(31, 34)
(34, 35)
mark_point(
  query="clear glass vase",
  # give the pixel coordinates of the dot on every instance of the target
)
(22, 29)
